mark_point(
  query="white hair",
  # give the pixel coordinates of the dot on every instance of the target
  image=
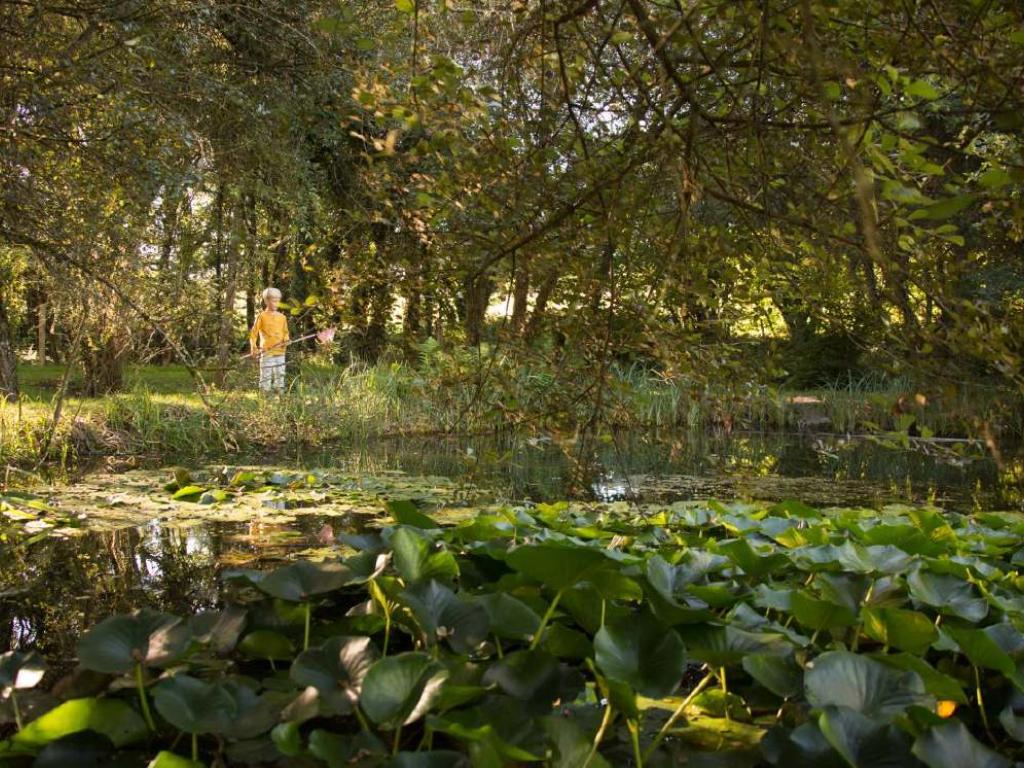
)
(271, 293)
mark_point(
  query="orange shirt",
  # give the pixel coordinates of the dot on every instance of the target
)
(269, 332)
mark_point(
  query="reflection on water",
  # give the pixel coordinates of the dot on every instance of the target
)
(53, 590)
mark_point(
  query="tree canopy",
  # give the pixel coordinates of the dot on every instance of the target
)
(729, 189)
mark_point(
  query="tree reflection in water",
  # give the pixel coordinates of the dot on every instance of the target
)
(53, 590)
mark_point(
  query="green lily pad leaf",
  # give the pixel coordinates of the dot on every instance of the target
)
(950, 594)
(188, 493)
(417, 558)
(993, 647)
(195, 706)
(344, 751)
(1012, 716)
(437, 759)
(722, 646)
(472, 727)
(820, 614)
(167, 759)
(844, 679)
(336, 669)
(951, 745)
(301, 580)
(936, 683)
(863, 741)
(641, 652)
(287, 739)
(400, 689)
(508, 616)
(565, 643)
(440, 613)
(84, 749)
(117, 643)
(111, 717)
(219, 629)
(779, 673)
(803, 747)
(267, 644)
(753, 563)
(20, 670)
(906, 630)
(534, 678)
(405, 512)
(557, 566)
(572, 745)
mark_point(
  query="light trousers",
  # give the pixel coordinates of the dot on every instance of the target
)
(272, 373)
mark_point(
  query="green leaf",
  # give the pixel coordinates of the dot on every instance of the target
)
(780, 674)
(301, 580)
(188, 493)
(267, 644)
(398, 690)
(922, 89)
(994, 647)
(864, 742)
(342, 751)
(336, 669)
(751, 561)
(405, 6)
(555, 565)
(950, 594)
(436, 759)
(440, 613)
(508, 616)
(111, 717)
(117, 643)
(641, 652)
(720, 646)
(844, 679)
(194, 706)
(906, 630)
(937, 684)
(405, 512)
(995, 178)
(820, 614)
(945, 209)
(287, 739)
(167, 759)
(534, 678)
(951, 745)
(416, 558)
(572, 745)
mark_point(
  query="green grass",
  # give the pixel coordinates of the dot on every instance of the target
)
(162, 417)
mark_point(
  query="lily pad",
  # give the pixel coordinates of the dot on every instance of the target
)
(844, 679)
(641, 652)
(336, 670)
(112, 718)
(116, 644)
(400, 689)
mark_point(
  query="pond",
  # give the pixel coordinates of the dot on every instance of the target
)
(136, 546)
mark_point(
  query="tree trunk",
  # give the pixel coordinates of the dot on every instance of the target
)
(227, 258)
(8, 360)
(540, 306)
(476, 296)
(520, 295)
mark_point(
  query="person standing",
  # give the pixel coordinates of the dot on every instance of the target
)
(267, 340)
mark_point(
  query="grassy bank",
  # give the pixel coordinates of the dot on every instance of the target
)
(161, 416)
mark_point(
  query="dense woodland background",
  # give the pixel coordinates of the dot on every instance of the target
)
(742, 191)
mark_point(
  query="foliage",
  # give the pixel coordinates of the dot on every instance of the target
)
(526, 634)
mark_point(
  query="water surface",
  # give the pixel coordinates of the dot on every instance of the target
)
(138, 547)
